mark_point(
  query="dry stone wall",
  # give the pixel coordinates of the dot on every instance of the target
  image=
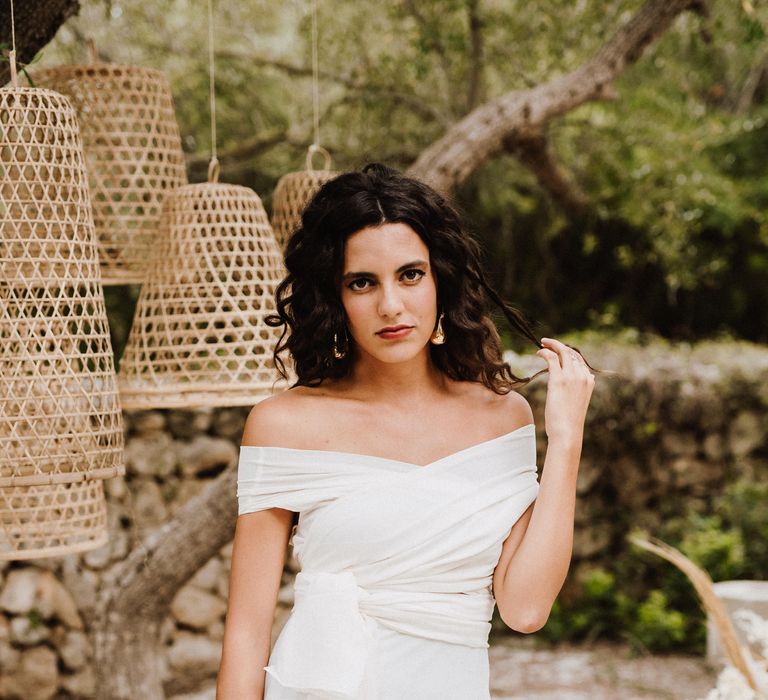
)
(664, 434)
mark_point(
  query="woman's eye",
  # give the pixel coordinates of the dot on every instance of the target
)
(361, 281)
(413, 275)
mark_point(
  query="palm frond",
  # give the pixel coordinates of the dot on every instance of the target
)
(712, 604)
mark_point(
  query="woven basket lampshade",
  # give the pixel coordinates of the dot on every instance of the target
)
(293, 192)
(60, 420)
(52, 520)
(198, 336)
(133, 155)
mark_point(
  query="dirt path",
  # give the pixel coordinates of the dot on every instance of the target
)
(521, 671)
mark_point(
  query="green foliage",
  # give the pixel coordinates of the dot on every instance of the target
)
(5, 48)
(719, 551)
(745, 506)
(650, 603)
(673, 169)
(120, 302)
(35, 619)
(656, 625)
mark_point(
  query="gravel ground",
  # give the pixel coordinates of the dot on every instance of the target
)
(522, 671)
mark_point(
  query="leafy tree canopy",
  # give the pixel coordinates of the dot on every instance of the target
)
(674, 238)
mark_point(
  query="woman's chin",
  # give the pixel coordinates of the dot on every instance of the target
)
(399, 354)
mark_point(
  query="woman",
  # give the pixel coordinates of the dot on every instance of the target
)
(409, 457)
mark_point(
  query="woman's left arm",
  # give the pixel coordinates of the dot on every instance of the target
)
(537, 553)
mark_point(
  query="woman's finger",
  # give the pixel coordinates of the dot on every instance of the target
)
(569, 358)
(576, 359)
(560, 349)
(552, 359)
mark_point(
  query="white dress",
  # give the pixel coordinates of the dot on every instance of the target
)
(393, 600)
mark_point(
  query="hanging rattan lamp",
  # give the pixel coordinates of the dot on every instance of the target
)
(198, 336)
(61, 428)
(133, 155)
(293, 192)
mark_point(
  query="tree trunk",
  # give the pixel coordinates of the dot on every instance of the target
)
(126, 653)
(36, 23)
(136, 594)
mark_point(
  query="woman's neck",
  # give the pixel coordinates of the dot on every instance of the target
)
(397, 383)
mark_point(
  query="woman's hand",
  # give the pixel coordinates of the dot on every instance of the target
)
(568, 392)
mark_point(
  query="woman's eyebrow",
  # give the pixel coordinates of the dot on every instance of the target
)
(402, 268)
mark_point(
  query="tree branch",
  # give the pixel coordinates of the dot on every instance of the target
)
(534, 152)
(36, 24)
(424, 107)
(421, 107)
(749, 88)
(82, 38)
(246, 149)
(136, 594)
(434, 41)
(284, 66)
(451, 159)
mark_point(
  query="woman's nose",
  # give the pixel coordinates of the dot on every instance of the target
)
(390, 301)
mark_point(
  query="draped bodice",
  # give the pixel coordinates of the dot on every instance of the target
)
(413, 547)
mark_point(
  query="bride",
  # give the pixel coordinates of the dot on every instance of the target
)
(409, 457)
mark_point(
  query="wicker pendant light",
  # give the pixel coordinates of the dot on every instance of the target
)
(293, 192)
(198, 336)
(52, 520)
(60, 420)
(133, 155)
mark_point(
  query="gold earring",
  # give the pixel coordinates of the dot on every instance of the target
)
(338, 354)
(438, 337)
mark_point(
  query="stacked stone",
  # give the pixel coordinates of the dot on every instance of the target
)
(41, 630)
(45, 652)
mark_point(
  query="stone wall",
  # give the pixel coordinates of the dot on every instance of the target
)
(170, 457)
(664, 434)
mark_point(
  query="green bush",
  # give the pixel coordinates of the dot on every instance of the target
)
(716, 549)
(657, 626)
(650, 603)
(745, 507)
(594, 612)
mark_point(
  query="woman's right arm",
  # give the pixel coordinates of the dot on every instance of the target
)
(258, 557)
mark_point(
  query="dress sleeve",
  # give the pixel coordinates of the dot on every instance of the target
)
(269, 477)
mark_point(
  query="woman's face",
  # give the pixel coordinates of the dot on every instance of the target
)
(387, 283)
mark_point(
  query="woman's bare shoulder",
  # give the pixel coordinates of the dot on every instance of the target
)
(281, 420)
(506, 412)
(516, 410)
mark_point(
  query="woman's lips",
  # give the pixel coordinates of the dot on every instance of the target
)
(395, 335)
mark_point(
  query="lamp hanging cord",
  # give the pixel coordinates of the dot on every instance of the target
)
(13, 30)
(315, 146)
(315, 77)
(12, 54)
(213, 167)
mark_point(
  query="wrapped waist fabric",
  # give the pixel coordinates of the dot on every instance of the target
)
(410, 547)
(325, 643)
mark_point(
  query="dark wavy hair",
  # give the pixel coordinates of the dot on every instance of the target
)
(308, 300)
